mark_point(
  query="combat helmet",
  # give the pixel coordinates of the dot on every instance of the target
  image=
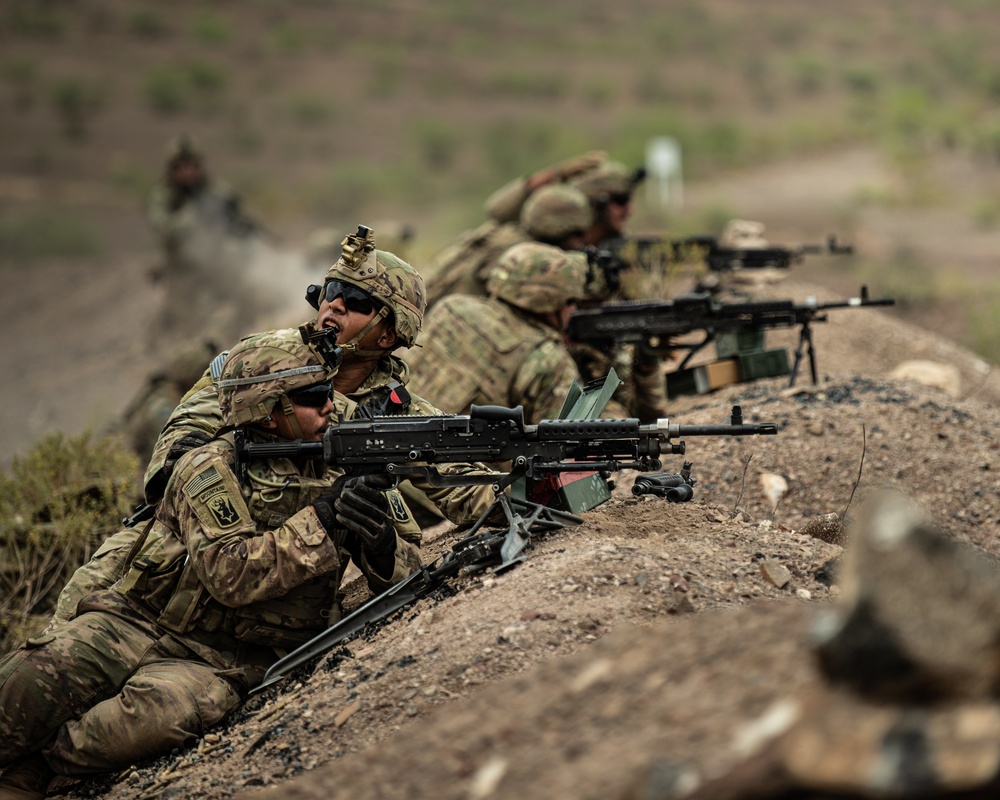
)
(607, 180)
(184, 148)
(554, 212)
(538, 277)
(387, 278)
(261, 371)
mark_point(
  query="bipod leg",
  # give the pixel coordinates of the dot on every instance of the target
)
(522, 517)
(805, 345)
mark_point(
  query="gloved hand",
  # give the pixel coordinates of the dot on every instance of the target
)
(324, 504)
(363, 509)
(646, 356)
(572, 167)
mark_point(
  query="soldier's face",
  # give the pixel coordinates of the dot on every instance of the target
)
(348, 323)
(617, 212)
(313, 421)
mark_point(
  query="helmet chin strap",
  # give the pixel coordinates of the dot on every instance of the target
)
(289, 411)
(352, 345)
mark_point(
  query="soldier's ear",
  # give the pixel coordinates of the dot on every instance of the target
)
(388, 338)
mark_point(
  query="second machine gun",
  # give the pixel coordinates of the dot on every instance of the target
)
(655, 324)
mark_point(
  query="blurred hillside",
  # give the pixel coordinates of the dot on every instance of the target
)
(877, 122)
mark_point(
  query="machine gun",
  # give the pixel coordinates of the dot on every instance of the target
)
(655, 324)
(408, 446)
(647, 251)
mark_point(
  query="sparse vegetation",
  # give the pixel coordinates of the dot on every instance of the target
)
(46, 233)
(76, 102)
(57, 504)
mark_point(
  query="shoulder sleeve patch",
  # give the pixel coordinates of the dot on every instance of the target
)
(202, 481)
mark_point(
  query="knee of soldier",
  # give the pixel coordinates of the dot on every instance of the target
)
(190, 692)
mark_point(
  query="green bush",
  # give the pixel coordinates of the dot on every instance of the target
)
(211, 28)
(437, 143)
(76, 102)
(36, 19)
(528, 84)
(808, 74)
(57, 504)
(164, 89)
(22, 77)
(145, 23)
(47, 234)
(310, 111)
(170, 90)
(287, 39)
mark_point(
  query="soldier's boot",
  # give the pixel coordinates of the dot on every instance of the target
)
(28, 779)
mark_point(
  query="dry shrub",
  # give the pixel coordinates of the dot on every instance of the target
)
(57, 504)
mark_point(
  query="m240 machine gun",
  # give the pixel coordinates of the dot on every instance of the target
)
(406, 446)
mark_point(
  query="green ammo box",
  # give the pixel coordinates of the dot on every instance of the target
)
(729, 344)
(765, 364)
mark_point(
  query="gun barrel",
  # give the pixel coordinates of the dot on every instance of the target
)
(671, 430)
(288, 449)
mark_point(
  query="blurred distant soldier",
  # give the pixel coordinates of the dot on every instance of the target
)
(229, 576)
(189, 197)
(557, 214)
(508, 348)
(610, 188)
(209, 250)
(150, 409)
(506, 203)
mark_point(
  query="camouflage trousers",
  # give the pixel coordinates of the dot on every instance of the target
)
(100, 693)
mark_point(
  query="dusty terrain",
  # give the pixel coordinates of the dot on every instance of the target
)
(651, 631)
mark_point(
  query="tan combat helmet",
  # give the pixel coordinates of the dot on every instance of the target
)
(608, 179)
(388, 279)
(554, 212)
(184, 148)
(538, 277)
(261, 371)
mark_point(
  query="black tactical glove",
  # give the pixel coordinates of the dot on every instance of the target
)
(646, 359)
(363, 509)
(324, 504)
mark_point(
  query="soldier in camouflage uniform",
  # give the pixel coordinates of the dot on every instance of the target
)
(507, 349)
(507, 202)
(558, 215)
(609, 187)
(227, 572)
(186, 196)
(371, 380)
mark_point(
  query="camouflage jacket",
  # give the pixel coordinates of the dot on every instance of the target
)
(199, 411)
(479, 350)
(463, 267)
(225, 563)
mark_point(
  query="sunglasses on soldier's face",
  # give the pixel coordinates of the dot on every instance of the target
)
(315, 396)
(620, 199)
(355, 299)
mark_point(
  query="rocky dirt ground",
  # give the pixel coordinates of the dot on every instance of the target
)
(652, 634)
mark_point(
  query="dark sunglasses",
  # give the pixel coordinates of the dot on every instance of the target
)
(355, 299)
(315, 396)
(620, 199)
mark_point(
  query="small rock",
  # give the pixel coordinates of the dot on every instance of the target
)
(775, 574)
